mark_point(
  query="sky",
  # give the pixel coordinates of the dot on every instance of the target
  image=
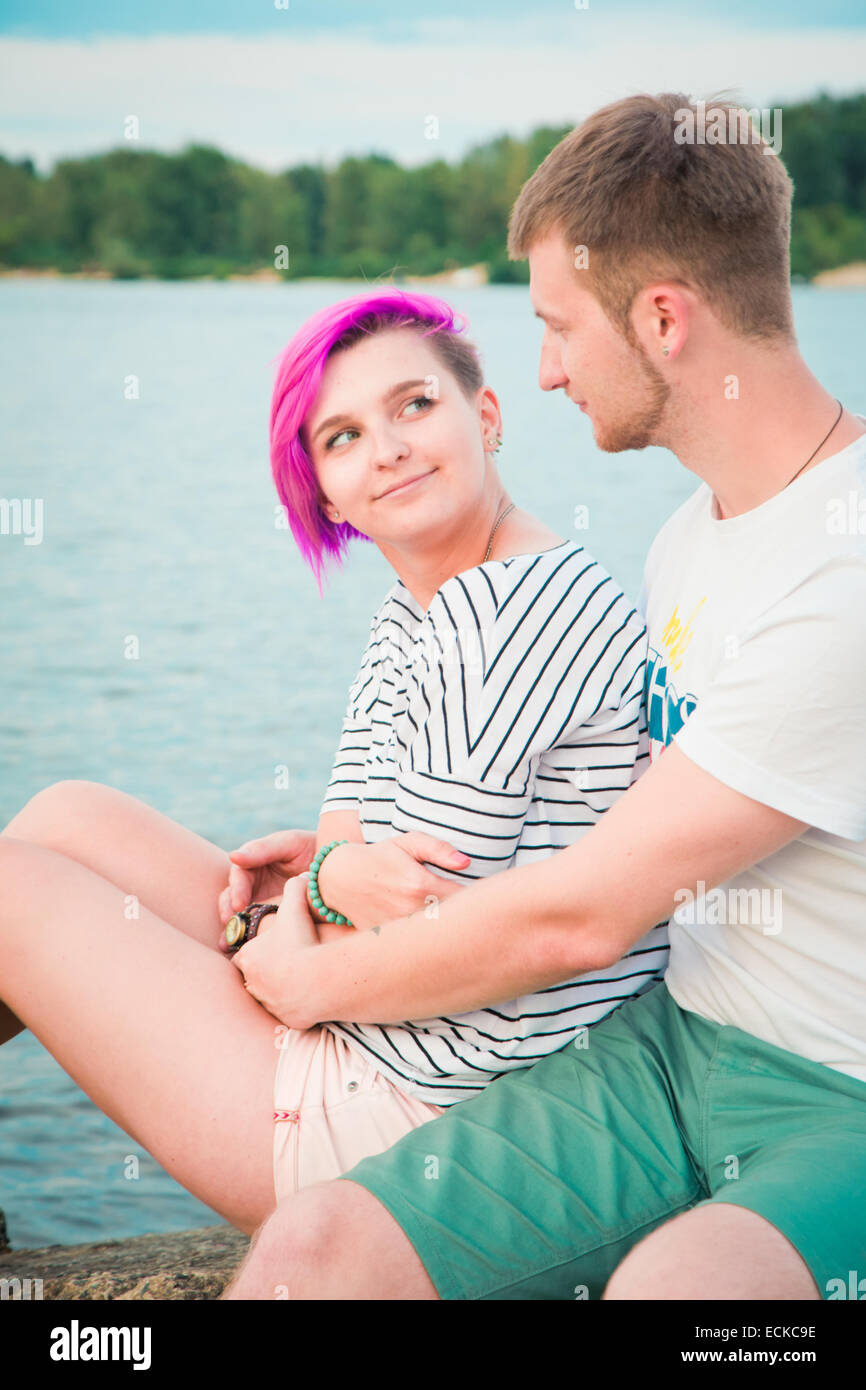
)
(279, 82)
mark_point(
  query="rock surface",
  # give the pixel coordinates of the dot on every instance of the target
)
(177, 1265)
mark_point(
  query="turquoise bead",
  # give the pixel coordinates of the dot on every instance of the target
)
(314, 894)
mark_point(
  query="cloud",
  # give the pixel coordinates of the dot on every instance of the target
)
(280, 100)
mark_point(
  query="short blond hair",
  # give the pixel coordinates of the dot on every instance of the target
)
(715, 217)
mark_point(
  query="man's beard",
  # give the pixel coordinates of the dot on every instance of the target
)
(636, 429)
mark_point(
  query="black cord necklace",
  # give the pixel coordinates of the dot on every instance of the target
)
(820, 446)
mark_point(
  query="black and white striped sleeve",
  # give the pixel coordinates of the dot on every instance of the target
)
(515, 661)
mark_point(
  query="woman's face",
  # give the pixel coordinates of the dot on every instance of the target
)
(398, 450)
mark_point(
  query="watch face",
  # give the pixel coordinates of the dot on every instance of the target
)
(235, 928)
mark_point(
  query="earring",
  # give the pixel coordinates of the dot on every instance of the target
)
(665, 351)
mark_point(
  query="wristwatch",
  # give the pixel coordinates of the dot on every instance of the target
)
(243, 926)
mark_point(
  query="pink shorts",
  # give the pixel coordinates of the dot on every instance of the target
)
(332, 1108)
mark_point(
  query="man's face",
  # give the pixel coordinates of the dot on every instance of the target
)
(582, 353)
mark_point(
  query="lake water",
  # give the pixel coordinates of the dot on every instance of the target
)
(158, 518)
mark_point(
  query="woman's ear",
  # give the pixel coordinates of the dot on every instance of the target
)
(490, 418)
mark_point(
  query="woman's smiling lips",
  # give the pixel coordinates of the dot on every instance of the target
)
(404, 487)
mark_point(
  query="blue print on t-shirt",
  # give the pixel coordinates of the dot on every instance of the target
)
(666, 711)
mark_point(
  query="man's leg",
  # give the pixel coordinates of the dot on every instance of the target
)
(784, 1143)
(672, 1159)
(537, 1188)
(331, 1241)
(714, 1251)
(336, 1241)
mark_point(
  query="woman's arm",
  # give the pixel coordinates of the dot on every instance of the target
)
(336, 825)
(538, 924)
(339, 825)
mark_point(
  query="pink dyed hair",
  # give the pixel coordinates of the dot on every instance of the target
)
(298, 378)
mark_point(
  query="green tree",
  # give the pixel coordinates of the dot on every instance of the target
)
(133, 211)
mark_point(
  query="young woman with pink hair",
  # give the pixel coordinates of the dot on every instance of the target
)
(496, 714)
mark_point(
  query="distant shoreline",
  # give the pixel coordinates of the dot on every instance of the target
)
(461, 277)
(852, 276)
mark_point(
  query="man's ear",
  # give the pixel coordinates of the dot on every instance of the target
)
(660, 318)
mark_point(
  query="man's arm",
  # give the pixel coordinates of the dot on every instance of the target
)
(539, 924)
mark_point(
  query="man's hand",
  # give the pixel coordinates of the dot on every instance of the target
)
(267, 961)
(370, 884)
(260, 869)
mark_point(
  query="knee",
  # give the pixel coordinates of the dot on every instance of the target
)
(290, 1249)
(630, 1280)
(71, 791)
(652, 1268)
(25, 871)
(53, 808)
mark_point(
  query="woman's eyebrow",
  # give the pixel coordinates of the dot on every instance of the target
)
(392, 391)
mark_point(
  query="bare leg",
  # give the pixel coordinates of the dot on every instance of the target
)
(331, 1241)
(168, 868)
(154, 1026)
(336, 1241)
(718, 1251)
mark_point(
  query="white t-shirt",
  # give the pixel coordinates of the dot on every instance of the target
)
(757, 667)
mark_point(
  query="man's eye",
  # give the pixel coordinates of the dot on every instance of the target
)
(420, 400)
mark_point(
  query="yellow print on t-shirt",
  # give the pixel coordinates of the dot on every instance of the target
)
(676, 636)
(666, 709)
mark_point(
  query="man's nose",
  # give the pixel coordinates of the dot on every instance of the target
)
(550, 372)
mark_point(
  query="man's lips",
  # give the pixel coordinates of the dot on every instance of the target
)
(399, 487)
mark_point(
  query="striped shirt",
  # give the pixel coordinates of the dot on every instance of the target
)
(504, 720)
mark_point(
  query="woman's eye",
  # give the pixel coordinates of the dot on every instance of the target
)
(335, 437)
(425, 401)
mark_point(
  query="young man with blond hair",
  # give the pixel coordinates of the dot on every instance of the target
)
(708, 1138)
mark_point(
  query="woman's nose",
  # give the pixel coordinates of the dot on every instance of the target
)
(387, 448)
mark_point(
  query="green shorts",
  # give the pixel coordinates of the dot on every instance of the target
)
(540, 1186)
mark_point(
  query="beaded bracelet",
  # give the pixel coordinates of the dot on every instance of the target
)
(313, 882)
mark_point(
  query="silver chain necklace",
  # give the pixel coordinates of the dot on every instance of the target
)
(498, 523)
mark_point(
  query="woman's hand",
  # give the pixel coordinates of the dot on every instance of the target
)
(266, 962)
(370, 884)
(260, 869)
